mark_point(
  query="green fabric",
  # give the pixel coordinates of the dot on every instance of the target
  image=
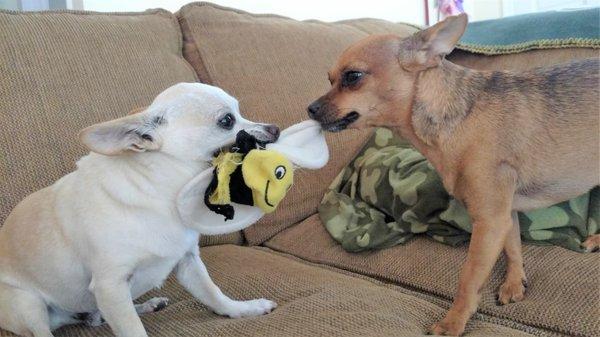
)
(555, 29)
(390, 192)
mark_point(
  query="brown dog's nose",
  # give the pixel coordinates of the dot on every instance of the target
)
(313, 109)
(273, 130)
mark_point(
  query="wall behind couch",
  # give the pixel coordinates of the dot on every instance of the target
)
(412, 11)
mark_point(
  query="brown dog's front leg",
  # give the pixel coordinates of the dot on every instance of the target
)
(515, 282)
(489, 206)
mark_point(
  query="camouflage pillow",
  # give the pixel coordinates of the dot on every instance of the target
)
(390, 192)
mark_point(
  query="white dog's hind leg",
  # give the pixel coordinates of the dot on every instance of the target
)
(23, 312)
(192, 274)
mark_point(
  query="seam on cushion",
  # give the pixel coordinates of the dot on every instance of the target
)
(178, 28)
(183, 25)
(151, 11)
(433, 298)
(264, 238)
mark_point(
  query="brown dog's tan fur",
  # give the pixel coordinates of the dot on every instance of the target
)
(501, 141)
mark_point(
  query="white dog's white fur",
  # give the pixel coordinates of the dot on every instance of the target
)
(108, 232)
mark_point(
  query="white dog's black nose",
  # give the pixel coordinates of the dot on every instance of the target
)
(272, 130)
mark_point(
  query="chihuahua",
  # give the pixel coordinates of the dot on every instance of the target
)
(501, 141)
(84, 248)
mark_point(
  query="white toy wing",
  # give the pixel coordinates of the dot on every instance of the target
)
(303, 144)
(195, 214)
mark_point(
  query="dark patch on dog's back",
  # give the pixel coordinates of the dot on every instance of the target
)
(495, 83)
(561, 85)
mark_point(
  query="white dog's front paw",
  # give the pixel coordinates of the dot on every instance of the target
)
(238, 309)
(152, 305)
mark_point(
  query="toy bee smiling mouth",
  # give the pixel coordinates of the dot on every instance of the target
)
(248, 175)
(250, 179)
(269, 175)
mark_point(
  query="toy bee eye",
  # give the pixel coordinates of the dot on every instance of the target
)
(279, 172)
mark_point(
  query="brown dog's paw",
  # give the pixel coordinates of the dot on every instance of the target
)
(512, 291)
(592, 243)
(448, 327)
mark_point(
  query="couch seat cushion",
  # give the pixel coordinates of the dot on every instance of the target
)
(313, 301)
(563, 288)
(276, 66)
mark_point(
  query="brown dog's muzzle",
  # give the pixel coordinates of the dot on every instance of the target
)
(315, 110)
(324, 113)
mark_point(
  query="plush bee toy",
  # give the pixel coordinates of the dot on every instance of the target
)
(250, 179)
(248, 175)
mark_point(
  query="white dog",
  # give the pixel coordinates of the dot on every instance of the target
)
(107, 233)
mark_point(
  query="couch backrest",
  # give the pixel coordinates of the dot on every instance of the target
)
(276, 66)
(63, 71)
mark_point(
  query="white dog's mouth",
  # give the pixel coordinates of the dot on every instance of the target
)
(264, 133)
(247, 140)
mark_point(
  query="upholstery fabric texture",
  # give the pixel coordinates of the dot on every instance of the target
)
(312, 301)
(563, 285)
(63, 71)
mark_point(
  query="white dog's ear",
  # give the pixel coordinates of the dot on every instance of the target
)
(430, 45)
(130, 133)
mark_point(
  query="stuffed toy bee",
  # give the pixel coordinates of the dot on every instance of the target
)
(248, 175)
(250, 179)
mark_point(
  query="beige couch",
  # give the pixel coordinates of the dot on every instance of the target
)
(62, 71)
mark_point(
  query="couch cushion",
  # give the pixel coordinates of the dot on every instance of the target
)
(313, 301)
(63, 71)
(563, 285)
(276, 66)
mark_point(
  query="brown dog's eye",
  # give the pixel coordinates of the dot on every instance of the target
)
(351, 78)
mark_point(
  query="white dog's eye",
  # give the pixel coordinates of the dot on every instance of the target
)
(279, 172)
(226, 122)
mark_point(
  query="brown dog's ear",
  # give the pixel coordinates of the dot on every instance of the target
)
(428, 47)
(118, 136)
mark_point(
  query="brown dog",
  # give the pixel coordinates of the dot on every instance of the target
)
(501, 141)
